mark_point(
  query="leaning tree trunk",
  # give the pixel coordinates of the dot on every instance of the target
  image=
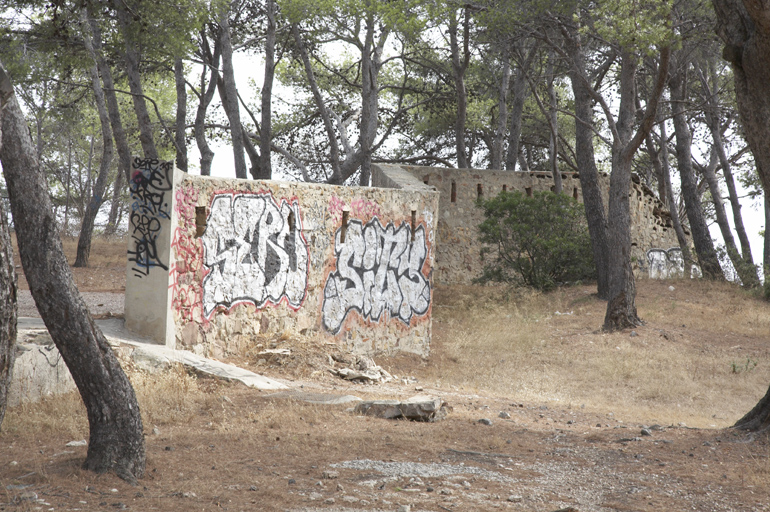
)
(181, 115)
(744, 28)
(229, 94)
(97, 196)
(589, 175)
(704, 245)
(116, 441)
(132, 58)
(459, 67)
(266, 133)
(8, 312)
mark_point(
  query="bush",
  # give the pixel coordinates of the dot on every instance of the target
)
(540, 241)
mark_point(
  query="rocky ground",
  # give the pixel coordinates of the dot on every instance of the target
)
(220, 446)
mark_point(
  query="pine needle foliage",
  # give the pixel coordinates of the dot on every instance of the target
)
(540, 241)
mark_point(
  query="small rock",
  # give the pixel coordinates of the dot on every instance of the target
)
(404, 508)
(485, 421)
(329, 501)
(671, 288)
(28, 496)
(252, 487)
(315, 496)
(634, 334)
(350, 499)
(82, 442)
(292, 481)
(340, 488)
(466, 484)
(429, 489)
(155, 431)
(646, 432)
(13, 463)
(120, 506)
(513, 498)
(504, 415)
(189, 495)
(330, 475)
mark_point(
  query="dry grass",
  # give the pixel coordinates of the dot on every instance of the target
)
(700, 359)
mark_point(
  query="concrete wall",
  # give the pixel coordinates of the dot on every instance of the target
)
(457, 257)
(246, 257)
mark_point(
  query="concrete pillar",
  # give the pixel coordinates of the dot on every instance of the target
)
(148, 296)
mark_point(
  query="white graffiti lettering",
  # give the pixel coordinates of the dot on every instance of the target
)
(667, 264)
(254, 251)
(379, 270)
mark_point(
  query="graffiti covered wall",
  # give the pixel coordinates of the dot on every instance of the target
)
(149, 238)
(254, 257)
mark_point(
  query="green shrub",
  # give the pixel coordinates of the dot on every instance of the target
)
(540, 241)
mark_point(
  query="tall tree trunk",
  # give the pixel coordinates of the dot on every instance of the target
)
(266, 131)
(519, 91)
(334, 150)
(459, 67)
(681, 238)
(132, 59)
(496, 154)
(111, 98)
(553, 143)
(747, 272)
(8, 312)
(229, 94)
(113, 219)
(181, 115)
(704, 246)
(621, 308)
(211, 61)
(589, 175)
(97, 195)
(116, 441)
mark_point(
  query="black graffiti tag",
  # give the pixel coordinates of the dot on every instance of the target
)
(149, 183)
(379, 270)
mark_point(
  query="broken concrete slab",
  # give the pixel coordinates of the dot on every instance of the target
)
(315, 398)
(158, 356)
(417, 408)
(39, 370)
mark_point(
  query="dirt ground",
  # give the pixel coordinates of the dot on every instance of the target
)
(213, 445)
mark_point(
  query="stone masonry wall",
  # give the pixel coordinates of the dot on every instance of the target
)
(457, 256)
(351, 264)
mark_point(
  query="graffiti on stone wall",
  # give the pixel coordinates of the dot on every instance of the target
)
(187, 250)
(254, 252)
(667, 264)
(150, 186)
(360, 207)
(379, 270)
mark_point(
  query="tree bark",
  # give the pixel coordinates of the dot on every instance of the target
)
(668, 190)
(459, 67)
(181, 115)
(111, 98)
(496, 153)
(266, 131)
(97, 194)
(211, 60)
(116, 441)
(586, 162)
(746, 271)
(229, 94)
(621, 308)
(8, 312)
(334, 151)
(553, 142)
(113, 219)
(704, 246)
(132, 59)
